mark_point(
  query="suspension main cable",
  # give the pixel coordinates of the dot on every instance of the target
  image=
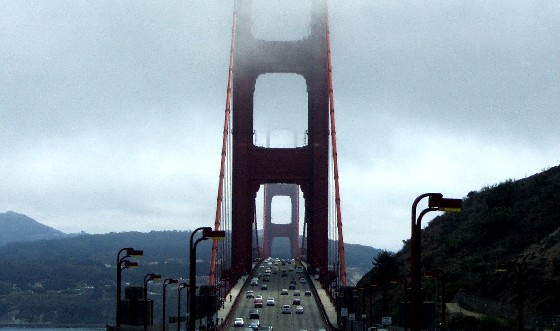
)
(335, 158)
(217, 219)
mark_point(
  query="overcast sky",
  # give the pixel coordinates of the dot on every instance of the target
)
(111, 112)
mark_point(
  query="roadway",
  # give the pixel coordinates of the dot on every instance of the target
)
(310, 320)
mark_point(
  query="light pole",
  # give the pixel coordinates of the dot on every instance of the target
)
(165, 283)
(516, 268)
(404, 282)
(436, 202)
(147, 278)
(371, 287)
(363, 292)
(206, 234)
(181, 286)
(123, 263)
(439, 275)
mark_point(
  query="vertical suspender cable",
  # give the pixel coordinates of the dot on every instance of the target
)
(257, 248)
(335, 160)
(224, 148)
(264, 217)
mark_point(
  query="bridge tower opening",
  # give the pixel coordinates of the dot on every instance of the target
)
(305, 166)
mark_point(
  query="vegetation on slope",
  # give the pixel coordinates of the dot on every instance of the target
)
(514, 221)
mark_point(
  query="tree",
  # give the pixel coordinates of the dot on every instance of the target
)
(385, 268)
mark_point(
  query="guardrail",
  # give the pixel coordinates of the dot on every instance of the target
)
(324, 314)
(238, 298)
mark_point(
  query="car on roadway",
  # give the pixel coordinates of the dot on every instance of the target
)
(284, 291)
(297, 293)
(254, 314)
(307, 293)
(238, 322)
(254, 324)
(302, 280)
(296, 302)
(286, 309)
(299, 310)
(270, 302)
(292, 286)
(250, 294)
(258, 303)
(264, 287)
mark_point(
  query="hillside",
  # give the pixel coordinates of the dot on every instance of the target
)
(90, 259)
(514, 221)
(71, 280)
(18, 227)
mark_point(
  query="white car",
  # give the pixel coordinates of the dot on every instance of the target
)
(270, 302)
(238, 322)
(250, 294)
(299, 310)
(284, 291)
(286, 309)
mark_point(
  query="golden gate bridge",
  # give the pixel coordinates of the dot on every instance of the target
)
(307, 174)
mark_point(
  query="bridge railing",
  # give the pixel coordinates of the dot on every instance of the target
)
(239, 297)
(324, 315)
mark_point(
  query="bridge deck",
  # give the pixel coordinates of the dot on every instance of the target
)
(311, 319)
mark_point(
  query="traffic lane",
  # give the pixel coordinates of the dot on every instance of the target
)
(311, 319)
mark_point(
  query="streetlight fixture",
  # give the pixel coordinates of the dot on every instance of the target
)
(515, 267)
(165, 283)
(147, 278)
(207, 233)
(123, 263)
(181, 286)
(439, 275)
(436, 202)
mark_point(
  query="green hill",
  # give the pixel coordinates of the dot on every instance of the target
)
(514, 221)
(71, 280)
(18, 227)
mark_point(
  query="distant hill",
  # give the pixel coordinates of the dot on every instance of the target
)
(18, 227)
(165, 252)
(71, 280)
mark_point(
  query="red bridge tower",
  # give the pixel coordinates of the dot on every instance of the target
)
(305, 166)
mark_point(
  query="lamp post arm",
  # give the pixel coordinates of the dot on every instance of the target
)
(417, 200)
